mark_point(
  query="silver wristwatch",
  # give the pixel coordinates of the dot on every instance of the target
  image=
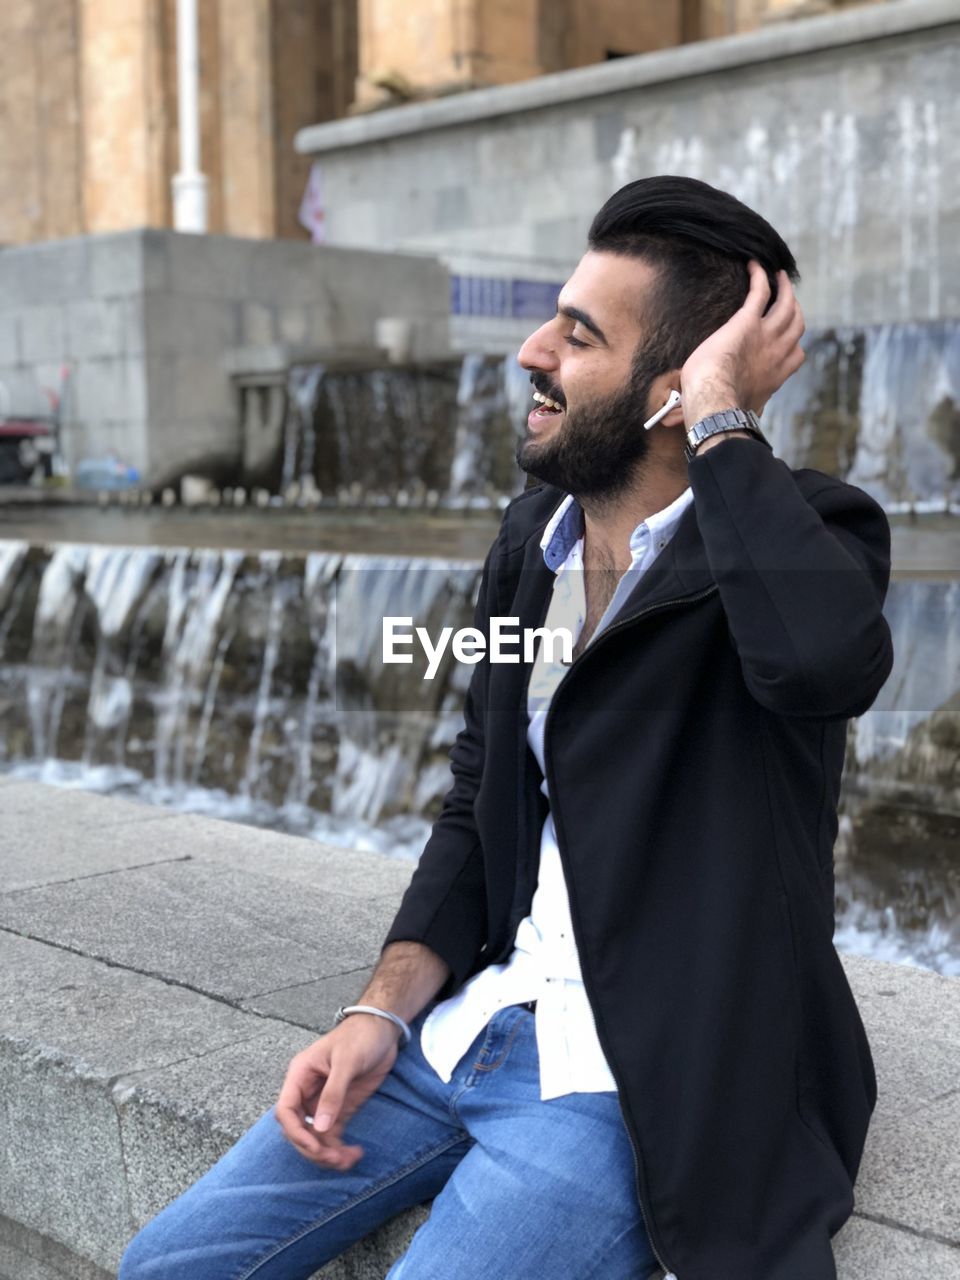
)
(725, 420)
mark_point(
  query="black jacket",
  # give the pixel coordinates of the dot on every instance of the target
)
(693, 755)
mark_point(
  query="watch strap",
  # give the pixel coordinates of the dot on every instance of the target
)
(717, 423)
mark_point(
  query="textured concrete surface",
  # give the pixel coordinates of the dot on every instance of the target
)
(40, 854)
(135, 980)
(841, 130)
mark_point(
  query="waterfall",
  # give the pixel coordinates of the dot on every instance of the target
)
(250, 682)
(252, 686)
(880, 407)
(200, 586)
(299, 428)
(59, 615)
(395, 434)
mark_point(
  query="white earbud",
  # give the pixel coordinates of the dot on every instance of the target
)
(672, 399)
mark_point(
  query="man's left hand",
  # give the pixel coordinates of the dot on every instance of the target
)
(746, 360)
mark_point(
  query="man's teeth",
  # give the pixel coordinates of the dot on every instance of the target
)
(546, 401)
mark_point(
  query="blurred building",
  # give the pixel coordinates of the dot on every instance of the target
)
(88, 89)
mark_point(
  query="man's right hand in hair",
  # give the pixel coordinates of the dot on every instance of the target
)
(329, 1081)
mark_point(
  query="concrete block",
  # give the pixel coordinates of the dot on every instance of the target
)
(133, 406)
(292, 324)
(29, 1255)
(913, 1168)
(311, 1004)
(178, 1120)
(228, 933)
(41, 334)
(124, 1070)
(209, 266)
(867, 1250)
(354, 224)
(311, 863)
(450, 207)
(61, 1165)
(202, 390)
(550, 235)
(179, 324)
(48, 272)
(907, 1007)
(431, 339)
(9, 339)
(288, 272)
(104, 389)
(828, 179)
(258, 324)
(95, 328)
(113, 1021)
(155, 259)
(607, 131)
(160, 377)
(42, 377)
(132, 327)
(38, 849)
(910, 1169)
(116, 264)
(323, 331)
(71, 1052)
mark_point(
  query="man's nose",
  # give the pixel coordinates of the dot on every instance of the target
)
(538, 352)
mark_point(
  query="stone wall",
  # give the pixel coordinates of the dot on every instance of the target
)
(842, 130)
(88, 96)
(435, 46)
(146, 957)
(88, 110)
(145, 320)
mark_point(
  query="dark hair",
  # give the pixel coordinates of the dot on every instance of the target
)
(700, 240)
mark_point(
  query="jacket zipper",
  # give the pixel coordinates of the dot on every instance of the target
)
(634, 1141)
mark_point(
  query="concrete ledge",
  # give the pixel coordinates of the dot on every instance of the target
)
(145, 957)
(702, 57)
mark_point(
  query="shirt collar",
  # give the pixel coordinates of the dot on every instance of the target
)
(565, 528)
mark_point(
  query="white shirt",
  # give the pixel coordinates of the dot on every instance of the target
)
(544, 965)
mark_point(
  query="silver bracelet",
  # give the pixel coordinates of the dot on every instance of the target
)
(345, 1011)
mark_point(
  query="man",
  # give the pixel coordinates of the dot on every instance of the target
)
(632, 1045)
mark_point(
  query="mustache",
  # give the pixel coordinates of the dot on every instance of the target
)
(543, 384)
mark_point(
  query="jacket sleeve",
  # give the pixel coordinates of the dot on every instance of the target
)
(802, 580)
(445, 905)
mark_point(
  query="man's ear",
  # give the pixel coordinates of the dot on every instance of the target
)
(675, 417)
(663, 384)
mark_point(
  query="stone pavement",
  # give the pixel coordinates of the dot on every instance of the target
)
(146, 958)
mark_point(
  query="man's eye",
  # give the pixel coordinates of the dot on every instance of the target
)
(574, 342)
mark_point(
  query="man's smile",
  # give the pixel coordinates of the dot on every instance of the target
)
(548, 408)
(547, 411)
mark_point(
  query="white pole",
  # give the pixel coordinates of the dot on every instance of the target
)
(189, 185)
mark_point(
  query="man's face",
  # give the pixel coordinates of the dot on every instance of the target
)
(584, 359)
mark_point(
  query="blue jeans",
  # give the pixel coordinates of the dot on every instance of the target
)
(524, 1189)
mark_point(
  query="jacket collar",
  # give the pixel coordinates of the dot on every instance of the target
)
(681, 569)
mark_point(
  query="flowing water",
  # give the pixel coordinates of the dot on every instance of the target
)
(228, 661)
(386, 433)
(250, 685)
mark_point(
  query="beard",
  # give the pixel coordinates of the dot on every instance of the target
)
(600, 450)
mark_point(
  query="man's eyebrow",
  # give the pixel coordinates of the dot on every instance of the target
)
(584, 318)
